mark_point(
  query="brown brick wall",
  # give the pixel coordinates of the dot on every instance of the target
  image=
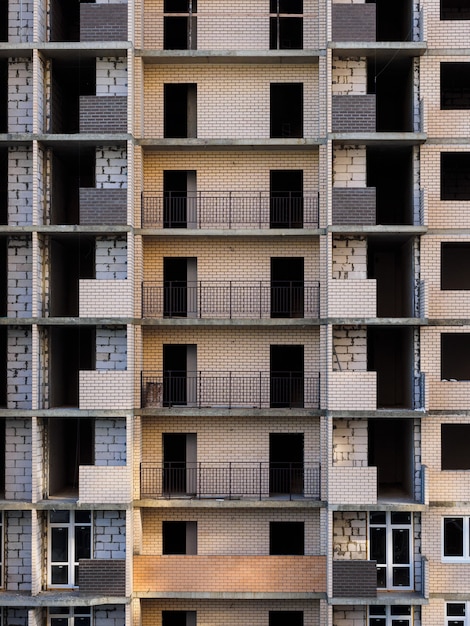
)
(353, 22)
(103, 576)
(354, 205)
(103, 22)
(354, 579)
(236, 574)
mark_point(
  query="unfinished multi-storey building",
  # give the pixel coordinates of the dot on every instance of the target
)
(235, 244)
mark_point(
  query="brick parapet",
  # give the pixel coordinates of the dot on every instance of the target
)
(103, 576)
(353, 22)
(353, 205)
(103, 206)
(354, 113)
(103, 114)
(355, 579)
(103, 22)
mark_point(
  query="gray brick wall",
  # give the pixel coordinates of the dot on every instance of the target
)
(354, 579)
(110, 615)
(103, 114)
(18, 459)
(353, 22)
(103, 576)
(110, 535)
(103, 22)
(352, 205)
(18, 551)
(103, 206)
(19, 371)
(353, 114)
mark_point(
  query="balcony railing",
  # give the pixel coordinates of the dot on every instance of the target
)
(229, 210)
(231, 299)
(228, 390)
(258, 480)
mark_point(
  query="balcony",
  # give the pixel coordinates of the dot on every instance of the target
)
(229, 390)
(231, 299)
(251, 480)
(229, 574)
(222, 210)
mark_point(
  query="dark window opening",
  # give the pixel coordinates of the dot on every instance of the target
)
(454, 536)
(179, 368)
(179, 6)
(179, 463)
(70, 80)
(180, 31)
(65, 20)
(455, 439)
(178, 618)
(287, 376)
(455, 10)
(390, 171)
(286, 190)
(394, 20)
(286, 538)
(179, 537)
(455, 364)
(286, 618)
(455, 266)
(286, 110)
(455, 86)
(72, 349)
(287, 287)
(180, 110)
(3, 95)
(71, 444)
(285, 31)
(286, 463)
(3, 20)
(455, 175)
(392, 82)
(71, 170)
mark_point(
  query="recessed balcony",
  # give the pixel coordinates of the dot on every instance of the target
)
(231, 299)
(229, 390)
(251, 480)
(223, 210)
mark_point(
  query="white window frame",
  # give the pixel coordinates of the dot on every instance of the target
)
(465, 558)
(72, 614)
(389, 565)
(403, 620)
(71, 563)
(451, 620)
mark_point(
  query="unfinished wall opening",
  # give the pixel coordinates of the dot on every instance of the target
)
(71, 169)
(3, 187)
(71, 444)
(72, 349)
(390, 262)
(179, 199)
(180, 110)
(455, 176)
(179, 463)
(286, 538)
(286, 198)
(65, 20)
(180, 31)
(455, 86)
(72, 259)
(178, 618)
(3, 20)
(287, 287)
(179, 374)
(390, 170)
(390, 354)
(391, 450)
(454, 446)
(286, 463)
(179, 537)
(3, 364)
(455, 364)
(179, 287)
(455, 10)
(286, 376)
(455, 266)
(4, 276)
(392, 82)
(281, 618)
(4, 95)
(286, 29)
(286, 110)
(70, 80)
(394, 20)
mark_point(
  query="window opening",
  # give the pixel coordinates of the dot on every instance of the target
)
(286, 110)
(456, 539)
(286, 463)
(454, 446)
(285, 25)
(455, 364)
(391, 545)
(180, 110)
(69, 616)
(286, 618)
(178, 618)
(455, 176)
(455, 10)
(382, 615)
(179, 537)
(286, 538)
(455, 266)
(180, 31)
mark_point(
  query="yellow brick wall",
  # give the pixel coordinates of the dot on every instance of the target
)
(224, 532)
(232, 102)
(444, 33)
(223, 350)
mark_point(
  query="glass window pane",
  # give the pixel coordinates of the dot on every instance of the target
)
(401, 546)
(377, 517)
(400, 610)
(381, 577)
(400, 622)
(59, 575)
(59, 621)
(377, 621)
(400, 517)
(456, 608)
(59, 517)
(82, 517)
(82, 542)
(377, 545)
(379, 609)
(453, 536)
(401, 577)
(59, 544)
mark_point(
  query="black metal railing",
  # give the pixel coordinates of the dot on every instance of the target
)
(260, 390)
(230, 480)
(231, 299)
(229, 210)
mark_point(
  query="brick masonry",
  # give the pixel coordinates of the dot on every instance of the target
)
(352, 114)
(354, 579)
(103, 22)
(353, 22)
(103, 114)
(103, 576)
(103, 206)
(354, 206)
